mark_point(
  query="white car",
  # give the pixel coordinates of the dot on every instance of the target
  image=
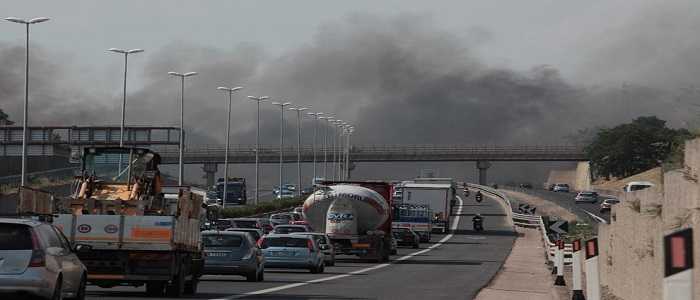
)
(636, 186)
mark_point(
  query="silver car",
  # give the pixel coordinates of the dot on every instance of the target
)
(324, 243)
(232, 253)
(36, 259)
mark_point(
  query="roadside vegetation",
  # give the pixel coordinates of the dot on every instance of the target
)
(634, 147)
(265, 207)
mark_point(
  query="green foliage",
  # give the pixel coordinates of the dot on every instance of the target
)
(631, 148)
(5, 119)
(265, 207)
(582, 231)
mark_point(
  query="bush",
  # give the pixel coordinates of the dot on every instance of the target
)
(265, 207)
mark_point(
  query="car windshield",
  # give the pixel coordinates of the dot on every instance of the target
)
(15, 237)
(117, 165)
(246, 223)
(221, 240)
(289, 229)
(288, 242)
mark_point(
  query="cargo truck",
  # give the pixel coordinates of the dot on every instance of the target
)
(355, 215)
(436, 196)
(125, 231)
(414, 217)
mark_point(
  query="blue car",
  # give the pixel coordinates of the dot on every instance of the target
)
(292, 252)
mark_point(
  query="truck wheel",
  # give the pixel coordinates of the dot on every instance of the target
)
(155, 288)
(177, 287)
(191, 286)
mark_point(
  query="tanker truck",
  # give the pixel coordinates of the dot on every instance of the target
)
(357, 219)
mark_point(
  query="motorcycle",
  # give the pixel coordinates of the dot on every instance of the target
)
(478, 197)
(478, 225)
(466, 192)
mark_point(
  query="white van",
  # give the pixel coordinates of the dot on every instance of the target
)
(636, 186)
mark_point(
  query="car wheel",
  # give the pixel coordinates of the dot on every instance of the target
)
(80, 293)
(261, 275)
(191, 286)
(155, 288)
(177, 288)
(58, 289)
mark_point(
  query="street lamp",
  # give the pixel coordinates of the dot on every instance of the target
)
(349, 131)
(25, 121)
(282, 106)
(228, 134)
(299, 110)
(182, 120)
(126, 60)
(336, 145)
(326, 136)
(257, 143)
(316, 116)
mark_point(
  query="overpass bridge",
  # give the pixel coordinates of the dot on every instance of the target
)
(60, 141)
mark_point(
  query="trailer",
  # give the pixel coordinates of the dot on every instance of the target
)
(436, 196)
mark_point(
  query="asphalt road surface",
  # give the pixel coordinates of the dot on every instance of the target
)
(453, 266)
(566, 200)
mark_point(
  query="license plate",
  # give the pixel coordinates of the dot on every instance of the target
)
(217, 254)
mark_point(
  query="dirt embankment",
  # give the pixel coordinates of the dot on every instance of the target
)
(544, 207)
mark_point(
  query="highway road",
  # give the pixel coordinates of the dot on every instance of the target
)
(566, 200)
(452, 266)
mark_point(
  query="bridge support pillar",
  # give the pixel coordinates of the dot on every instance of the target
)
(483, 165)
(210, 173)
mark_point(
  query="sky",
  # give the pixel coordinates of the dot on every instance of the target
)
(411, 72)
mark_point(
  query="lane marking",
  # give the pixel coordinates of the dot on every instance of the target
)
(356, 272)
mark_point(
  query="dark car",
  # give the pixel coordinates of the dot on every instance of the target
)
(406, 237)
(286, 229)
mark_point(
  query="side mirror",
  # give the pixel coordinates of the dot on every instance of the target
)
(82, 248)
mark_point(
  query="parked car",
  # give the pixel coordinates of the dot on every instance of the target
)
(324, 243)
(232, 253)
(560, 187)
(586, 196)
(285, 194)
(280, 219)
(636, 186)
(607, 204)
(406, 237)
(292, 252)
(36, 259)
(254, 233)
(284, 229)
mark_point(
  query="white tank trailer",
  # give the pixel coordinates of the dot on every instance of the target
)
(352, 216)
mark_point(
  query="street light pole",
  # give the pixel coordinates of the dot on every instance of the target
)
(126, 61)
(181, 167)
(257, 144)
(228, 134)
(326, 143)
(316, 116)
(350, 130)
(336, 144)
(25, 121)
(299, 110)
(281, 105)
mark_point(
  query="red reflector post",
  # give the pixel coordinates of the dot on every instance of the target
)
(577, 245)
(678, 251)
(591, 248)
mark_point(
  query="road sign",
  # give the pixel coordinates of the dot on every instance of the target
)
(560, 226)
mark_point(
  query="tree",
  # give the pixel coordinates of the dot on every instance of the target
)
(4, 119)
(631, 148)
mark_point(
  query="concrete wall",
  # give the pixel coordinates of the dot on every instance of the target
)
(578, 179)
(631, 246)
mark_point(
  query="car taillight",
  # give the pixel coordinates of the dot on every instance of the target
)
(310, 244)
(37, 259)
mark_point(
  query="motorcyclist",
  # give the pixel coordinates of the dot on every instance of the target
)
(478, 222)
(478, 196)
